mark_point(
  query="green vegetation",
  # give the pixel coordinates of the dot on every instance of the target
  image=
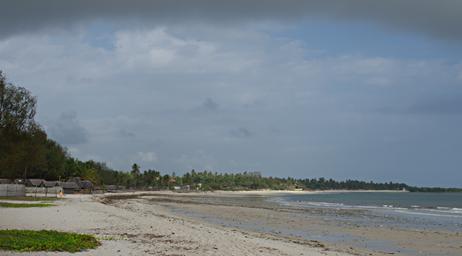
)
(23, 205)
(44, 240)
(27, 152)
(29, 198)
(254, 180)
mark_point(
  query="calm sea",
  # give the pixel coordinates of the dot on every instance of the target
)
(430, 204)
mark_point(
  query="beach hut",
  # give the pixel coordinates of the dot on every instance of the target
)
(86, 186)
(35, 183)
(74, 179)
(5, 181)
(50, 184)
(70, 187)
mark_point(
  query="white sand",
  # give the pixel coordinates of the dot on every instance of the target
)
(133, 228)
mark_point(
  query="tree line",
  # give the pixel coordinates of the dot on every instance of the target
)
(26, 151)
(207, 181)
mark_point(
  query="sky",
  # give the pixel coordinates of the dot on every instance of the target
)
(343, 89)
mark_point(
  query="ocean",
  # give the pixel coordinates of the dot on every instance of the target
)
(432, 204)
(439, 211)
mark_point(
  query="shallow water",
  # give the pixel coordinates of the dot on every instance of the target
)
(442, 201)
(439, 211)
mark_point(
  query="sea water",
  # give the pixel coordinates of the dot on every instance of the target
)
(415, 210)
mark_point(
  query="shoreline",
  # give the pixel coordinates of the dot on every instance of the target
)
(133, 227)
(333, 227)
(221, 223)
(249, 192)
(301, 192)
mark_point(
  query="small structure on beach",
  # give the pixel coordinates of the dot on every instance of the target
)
(50, 184)
(12, 190)
(5, 181)
(35, 183)
(77, 180)
(85, 186)
(70, 187)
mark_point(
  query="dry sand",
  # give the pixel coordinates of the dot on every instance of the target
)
(131, 227)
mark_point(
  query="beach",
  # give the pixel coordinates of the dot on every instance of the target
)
(132, 227)
(224, 223)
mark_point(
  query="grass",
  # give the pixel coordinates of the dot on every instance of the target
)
(45, 240)
(23, 205)
(28, 198)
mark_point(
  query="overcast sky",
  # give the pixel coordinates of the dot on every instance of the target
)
(341, 89)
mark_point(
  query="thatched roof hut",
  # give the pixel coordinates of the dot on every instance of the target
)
(35, 183)
(5, 181)
(50, 184)
(70, 187)
(86, 184)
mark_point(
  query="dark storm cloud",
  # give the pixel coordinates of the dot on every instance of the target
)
(437, 18)
(67, 130)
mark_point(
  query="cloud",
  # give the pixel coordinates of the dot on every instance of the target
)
(67, 130)
(322, 106)
(436, 18)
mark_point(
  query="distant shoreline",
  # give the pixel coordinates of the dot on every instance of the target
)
(307, 191)
(245, 192)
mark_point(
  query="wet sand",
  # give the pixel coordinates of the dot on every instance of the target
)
(330, 228)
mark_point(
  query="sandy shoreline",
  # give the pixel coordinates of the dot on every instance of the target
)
(335, 228)
(131, 227)
(222, 223)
